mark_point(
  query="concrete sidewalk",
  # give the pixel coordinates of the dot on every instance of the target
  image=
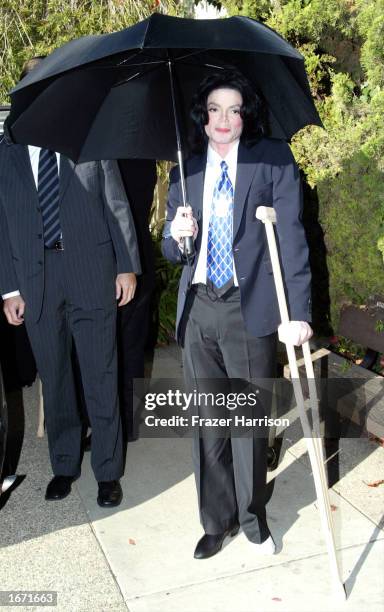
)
(139, 556)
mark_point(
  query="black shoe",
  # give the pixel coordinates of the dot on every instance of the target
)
(59, 487)
(273, 454)
(110, 493)
(272, 459)
(209, 545)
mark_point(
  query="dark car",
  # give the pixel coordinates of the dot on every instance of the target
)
(5, 480)
(3, 422)
(4, 484)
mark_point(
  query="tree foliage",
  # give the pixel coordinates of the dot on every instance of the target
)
(342, 42)
(36, 27)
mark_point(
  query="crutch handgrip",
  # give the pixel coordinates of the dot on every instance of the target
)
(266, 213)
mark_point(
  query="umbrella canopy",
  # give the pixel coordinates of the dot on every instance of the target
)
(109, 96)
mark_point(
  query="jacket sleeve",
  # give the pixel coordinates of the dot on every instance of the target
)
(8, 279)
(288, 204)
(119, 219)
(169, 246)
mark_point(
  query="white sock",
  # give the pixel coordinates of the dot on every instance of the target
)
(266, 548)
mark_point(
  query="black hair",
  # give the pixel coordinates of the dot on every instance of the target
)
(252, 112)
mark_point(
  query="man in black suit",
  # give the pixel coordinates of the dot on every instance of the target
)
(228, 314)
(68, 251)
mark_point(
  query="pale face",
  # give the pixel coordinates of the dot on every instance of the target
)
(225, 124)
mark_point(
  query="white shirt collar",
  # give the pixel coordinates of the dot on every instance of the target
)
(33, 150)
(214, 159)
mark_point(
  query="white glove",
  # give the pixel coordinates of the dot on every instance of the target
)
(295, 332)
(184, 224)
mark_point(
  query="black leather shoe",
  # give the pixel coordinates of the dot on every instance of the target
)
(209, 545)
(273, 454)
(59, 487)
(110, 493)
(272, 459)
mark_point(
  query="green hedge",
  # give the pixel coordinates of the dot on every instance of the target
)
(343, 46)
(351, 214)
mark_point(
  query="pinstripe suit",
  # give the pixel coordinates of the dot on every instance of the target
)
(70, 294)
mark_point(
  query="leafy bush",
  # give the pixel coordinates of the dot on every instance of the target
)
(342, 42)
(165, 298)
(36, 27)
(352, 214)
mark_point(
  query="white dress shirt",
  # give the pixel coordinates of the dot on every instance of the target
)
(34, 154)
(212, 174)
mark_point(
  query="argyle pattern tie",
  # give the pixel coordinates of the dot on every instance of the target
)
(220, 232)
(48, 192)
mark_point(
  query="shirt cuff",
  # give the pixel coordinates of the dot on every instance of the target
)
(11, 294)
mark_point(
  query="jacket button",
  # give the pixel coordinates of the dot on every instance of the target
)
(39, 235)
(40, 262)
(38, 208)
(236, 249)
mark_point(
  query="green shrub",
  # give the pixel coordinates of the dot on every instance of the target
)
(343, 46)
(165, 297)
(352, 214)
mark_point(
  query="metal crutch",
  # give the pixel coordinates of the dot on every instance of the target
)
(314, 442)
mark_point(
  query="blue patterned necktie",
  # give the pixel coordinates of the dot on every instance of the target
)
(48, 192)
(220, 233)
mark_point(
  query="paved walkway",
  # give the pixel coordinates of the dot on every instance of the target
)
(139, 556)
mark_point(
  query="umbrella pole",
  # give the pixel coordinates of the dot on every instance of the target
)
(314, 444)
(189, 248)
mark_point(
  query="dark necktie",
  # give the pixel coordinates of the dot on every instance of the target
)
(48, 192)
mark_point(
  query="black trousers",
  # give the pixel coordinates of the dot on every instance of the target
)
(94, 334)
(230, 472)
(132, 334)
(16, 357)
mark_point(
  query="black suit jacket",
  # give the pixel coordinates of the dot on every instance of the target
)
(139, 178)
(98, 230)
(266, 175)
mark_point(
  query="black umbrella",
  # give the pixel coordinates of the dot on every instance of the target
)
(128, 94)
(110, 96)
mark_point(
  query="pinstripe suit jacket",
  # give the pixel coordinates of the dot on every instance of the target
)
(96, 221)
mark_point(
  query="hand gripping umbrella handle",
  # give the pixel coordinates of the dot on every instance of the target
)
(188, 244)
(315, 448)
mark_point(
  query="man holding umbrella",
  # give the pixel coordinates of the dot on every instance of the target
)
(228, 314)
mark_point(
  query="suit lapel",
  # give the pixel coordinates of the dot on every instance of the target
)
(246, 168)
(195, 191)
(23, 164)
(195, 183)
